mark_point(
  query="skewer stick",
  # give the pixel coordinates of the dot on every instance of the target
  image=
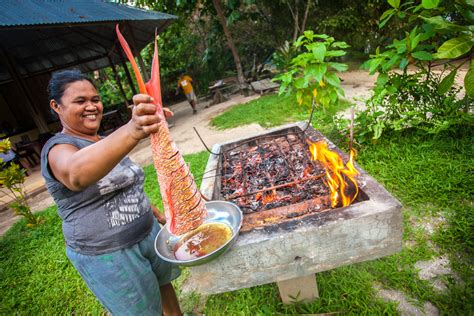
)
(351, 129)
(277, 186)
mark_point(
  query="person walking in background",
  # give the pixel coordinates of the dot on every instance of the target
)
(184, 83)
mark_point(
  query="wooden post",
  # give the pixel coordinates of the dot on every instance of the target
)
(302, 289)
(127, 73)
(351, 129)
(145, 74)
(119, 82)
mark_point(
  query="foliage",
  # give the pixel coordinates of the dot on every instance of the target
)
(405, 101)
(12, 177)
(423, 99)
(434, 35)
(37, 278)
(283, 56)
(195, 42)
(109, 89)
(311, 75)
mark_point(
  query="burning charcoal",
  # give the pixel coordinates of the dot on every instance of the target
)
(278, 165)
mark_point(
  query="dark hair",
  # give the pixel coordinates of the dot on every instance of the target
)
(61, 79)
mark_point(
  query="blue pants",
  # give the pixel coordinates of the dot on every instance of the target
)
(127, 281)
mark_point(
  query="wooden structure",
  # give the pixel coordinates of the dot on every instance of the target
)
(39, 37)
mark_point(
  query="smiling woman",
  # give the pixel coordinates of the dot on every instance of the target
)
(106, 217)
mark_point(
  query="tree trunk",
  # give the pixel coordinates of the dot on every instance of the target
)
(230, 42)
(303, 25)
(295, 15)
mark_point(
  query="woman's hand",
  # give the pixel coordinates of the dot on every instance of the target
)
(160, 217)
(144, 120)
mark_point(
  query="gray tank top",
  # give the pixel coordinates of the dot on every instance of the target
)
(112, 214)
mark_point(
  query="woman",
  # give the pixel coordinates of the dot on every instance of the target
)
(107, 220)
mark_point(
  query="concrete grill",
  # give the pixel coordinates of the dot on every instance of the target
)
(291, 242)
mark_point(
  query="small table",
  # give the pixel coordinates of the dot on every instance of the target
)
(217, 92)
(30, 151)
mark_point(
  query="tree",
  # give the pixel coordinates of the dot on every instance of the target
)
(230, 42)
(294, 10)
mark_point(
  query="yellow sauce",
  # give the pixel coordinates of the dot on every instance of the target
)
(202, 241)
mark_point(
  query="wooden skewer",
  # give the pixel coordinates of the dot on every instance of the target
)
(351, 129)
(277, 186)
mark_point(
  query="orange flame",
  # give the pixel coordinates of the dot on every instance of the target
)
(336, 172)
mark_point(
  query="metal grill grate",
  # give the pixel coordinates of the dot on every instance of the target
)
(271, 172)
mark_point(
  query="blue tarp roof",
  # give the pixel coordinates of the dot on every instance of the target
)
(43, 36)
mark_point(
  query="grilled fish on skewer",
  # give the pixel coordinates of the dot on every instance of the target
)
(184, 207)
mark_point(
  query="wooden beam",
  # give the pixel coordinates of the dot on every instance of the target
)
(13, 70)
(42, 72)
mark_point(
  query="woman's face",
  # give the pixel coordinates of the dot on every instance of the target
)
(80, 109)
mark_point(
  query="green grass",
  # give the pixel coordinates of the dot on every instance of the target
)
(272, 110)
(36, 276)
(431, 176)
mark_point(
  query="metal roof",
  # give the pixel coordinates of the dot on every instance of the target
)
(43, 36)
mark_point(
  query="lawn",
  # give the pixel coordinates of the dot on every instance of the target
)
(431, 176)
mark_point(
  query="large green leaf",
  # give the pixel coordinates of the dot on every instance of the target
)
(340, 45)
(429, 4)
(382, 79)
(454, 48)
(394, 3)
(404, 63)
(414, 40)
(335, 53)
(440, 23)
(300, 83)
(319, 51)
(338, 66)
(316, 71)
(332, 79)
(386, 16)
(391, 62)
(447, 82)
(469, 81)
(422, 55)
(374, 63)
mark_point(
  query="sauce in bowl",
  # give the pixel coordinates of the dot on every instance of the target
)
(202, 241)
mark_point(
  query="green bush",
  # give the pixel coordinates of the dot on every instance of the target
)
(406, 101)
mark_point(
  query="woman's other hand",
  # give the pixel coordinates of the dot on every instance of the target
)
(160, 217)
(144, 120)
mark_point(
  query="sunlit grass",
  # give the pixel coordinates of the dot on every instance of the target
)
(272, 110)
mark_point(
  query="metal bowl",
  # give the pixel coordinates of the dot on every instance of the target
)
(217, 212)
